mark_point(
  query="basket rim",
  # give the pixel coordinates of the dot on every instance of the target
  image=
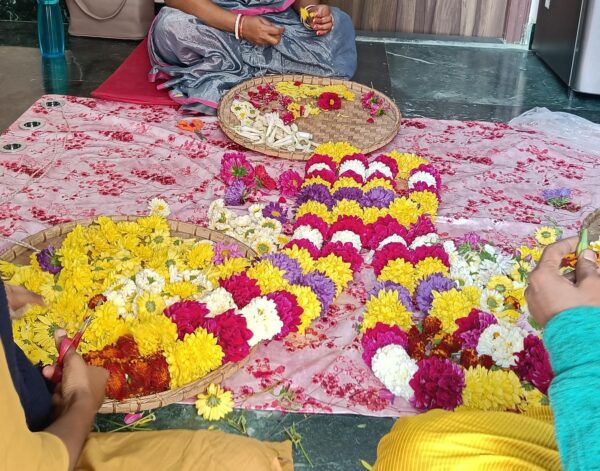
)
(151, 401)
(223, 109)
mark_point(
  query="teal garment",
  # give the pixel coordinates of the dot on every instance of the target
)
(573, 342)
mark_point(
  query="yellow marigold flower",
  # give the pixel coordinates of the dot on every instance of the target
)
(386, 307)
(7, 270)
(268, 277)
(76, 240)
(308, 301)
(336, 150)
(404, 211)
(372, 214)
(192, 358)
(315, 180)
(144, 252)
(401, 272)
(153, 333)
(215, 404)
(450, 305)
(313, 207)
(302, 256)
(491, 390)
(336, 269)
(509, 314)
(500, 283)
(78, 278)
(50, 292)
(201, 255)
(378, 183)
(153, 226)
(149, 304)
(68, 307)
(406, 163)
(31, 278)
(345, 182)
(346, 208)
(105, 328)
(229, 267)
(429, 266)
(427, 201)
(546, 235)
(472, 294)
(107, 229)
(43, 327)
(129, 228)
(183, 289)
(23, 333)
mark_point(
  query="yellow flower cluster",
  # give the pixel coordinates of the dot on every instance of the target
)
(492, 390)
(399, 271)
(387, 308)
(302, 256)
(336, 150)
(192, 358)
(406, 163)
(268, 277)
(309, 302)
(337, 270)
(305, 90)
(450, 305)
(316, 208)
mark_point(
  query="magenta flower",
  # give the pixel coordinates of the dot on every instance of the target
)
(289, 311)
(289, 183)
(234, 167)
(225, 250)
(187, 316)
(533, 364)
(242, 289)
(470, 327)
(379, 336)
(438, 384)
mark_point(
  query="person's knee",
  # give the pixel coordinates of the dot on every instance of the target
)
(343, 37)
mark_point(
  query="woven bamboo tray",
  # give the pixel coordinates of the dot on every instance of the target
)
(349, 124)
(592, 223)
(55, 235)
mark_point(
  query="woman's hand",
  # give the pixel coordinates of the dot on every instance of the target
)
(261, 32)
(322, 22)
(18, 297)
(81, 385)
(549, 293)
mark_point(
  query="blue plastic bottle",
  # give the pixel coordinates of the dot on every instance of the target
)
(51, 31)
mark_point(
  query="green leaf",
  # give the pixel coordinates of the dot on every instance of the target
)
(366, 465)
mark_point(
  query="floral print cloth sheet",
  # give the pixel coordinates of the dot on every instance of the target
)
(94, 157)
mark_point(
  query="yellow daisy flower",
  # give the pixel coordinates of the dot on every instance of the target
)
(450, 305)
(315, 180)
(427, 202)
(229, 267)
(429, 266)
(378, 183)
(387, 308)
(201, 255)
(345, 182)
(546, 235)
(153, 333)
(346, 208)
(500, 283)
(263, 247)
(106, 328)
(149, 304)
(316, 208)
(372, 214)
(215, 404)
(404, 211)
(183, 289)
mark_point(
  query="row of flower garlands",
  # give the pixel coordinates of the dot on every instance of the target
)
(167, 310)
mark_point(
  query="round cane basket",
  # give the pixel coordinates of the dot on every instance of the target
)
(348, 124)
(55, 235)
(592, 224)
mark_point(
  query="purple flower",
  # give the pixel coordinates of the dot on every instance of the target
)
(224, 250)
(275, 211)
(49, 260)
(425, 289)
(471, 238)
(292, 269)
(379, 197)
(470, 327)
(323, 287)
(403, 293)
(349, 193)
(315, 192)
(236, 194)
(557, 193)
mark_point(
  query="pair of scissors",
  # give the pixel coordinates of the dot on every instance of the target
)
(64, 347)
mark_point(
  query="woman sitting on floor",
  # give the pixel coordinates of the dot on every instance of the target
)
(474, 440)
(205, 47)
(44, 431)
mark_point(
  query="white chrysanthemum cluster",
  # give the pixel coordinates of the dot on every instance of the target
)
(394, 368)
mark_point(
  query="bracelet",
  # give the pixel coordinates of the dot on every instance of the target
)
(241, 28)
(236, 28)
(306, 22)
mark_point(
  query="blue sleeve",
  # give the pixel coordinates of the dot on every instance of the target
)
(573, 342)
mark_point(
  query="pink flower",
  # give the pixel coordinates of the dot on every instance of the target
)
(235, 166)
(263, 180)
(346, 251)
(320, 159)
(533, 364)
(313, 221)
(437, 384)
(358, 157)
(349, 223)
(289, 312)
(392, 251)
(304, 244)
(242, 289)
(383, 228)
(329, 101)
(232, 334)
(187, 316)
(389, 162)
(131, 418)
(289, 183)
(435, 251)
(225, 250)
(470, 327)
(325, 174)
(379, 336)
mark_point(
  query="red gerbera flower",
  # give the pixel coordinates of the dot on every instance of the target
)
(329, 101)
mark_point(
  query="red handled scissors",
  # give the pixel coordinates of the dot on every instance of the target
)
(64, 347)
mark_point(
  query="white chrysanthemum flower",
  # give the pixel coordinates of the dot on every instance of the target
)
(394, 238)
(501, 342)
(347, 236)
(425, 240)
(218, 301)
(198, 278)
(255, 210)
(491, 301)
(424, 177)
(379, 167)
(149, 280)
(241, 221)
(272, 225)
(355, 166)
(317, 168)
(125, 287)
(463, 278)
(159, 207)
(263, 246)
(120, 301)
(394, 368)
(309, 233)
(449, 247)
(488, 268)
(262, 319)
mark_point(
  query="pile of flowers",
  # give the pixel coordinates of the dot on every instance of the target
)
(446, 324)
(375, 104)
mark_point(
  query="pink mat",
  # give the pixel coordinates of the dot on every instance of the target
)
(129, 83)
(99, 157)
